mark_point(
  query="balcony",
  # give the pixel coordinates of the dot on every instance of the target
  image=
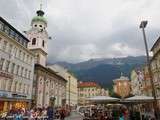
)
(6, 74)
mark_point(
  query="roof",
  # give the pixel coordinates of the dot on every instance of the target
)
(50, 71)
(88, 84)
(155, 44)
(14, 29)
(39, 17)
(122, 78)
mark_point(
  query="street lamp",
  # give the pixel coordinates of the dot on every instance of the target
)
(143, 26)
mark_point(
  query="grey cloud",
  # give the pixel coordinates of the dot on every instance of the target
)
(82, 29)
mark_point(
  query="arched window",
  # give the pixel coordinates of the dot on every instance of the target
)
(33, 41)
(43, 43)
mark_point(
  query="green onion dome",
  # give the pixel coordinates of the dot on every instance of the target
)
(39, 17)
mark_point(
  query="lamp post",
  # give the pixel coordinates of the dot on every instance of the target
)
(69, 97)
(143, 26)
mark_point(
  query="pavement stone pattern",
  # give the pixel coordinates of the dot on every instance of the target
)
(74, 116)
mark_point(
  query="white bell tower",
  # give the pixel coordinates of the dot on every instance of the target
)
(38, 37)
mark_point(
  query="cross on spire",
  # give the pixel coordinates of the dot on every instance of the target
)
(40, 12)
(41, 4)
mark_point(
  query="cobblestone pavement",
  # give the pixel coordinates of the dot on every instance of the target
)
(74, 116)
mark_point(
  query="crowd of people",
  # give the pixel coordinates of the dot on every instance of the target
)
(114, 113)
(36, 113)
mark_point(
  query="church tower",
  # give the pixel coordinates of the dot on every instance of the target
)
(38, 37)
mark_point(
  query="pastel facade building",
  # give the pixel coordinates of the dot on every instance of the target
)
(16, 68)
(87, 90)
(122, 86)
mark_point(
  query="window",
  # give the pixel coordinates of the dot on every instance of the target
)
(25, 73)
(10, 48)
(17, 70)
(15, 51)
(22, 71)
(1, 25)
(31, 60)
(43, 43)
(40, 25)
(25, 44)
(27, 89)
(12, 68)
(29, 74)
(7, 66)
(20, 86)
(23, 56)
(20, 39)
(20, 52)
(81, 89)
(0, 42)
(81, 95)
(12, 33)
(33, 41)
(24, 88)
(6, 29)
(1, 63)
(4, 45)
(35, 25)
(17, 37)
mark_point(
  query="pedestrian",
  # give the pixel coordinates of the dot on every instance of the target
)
(50, 113)
(18, 116)
(62, 113)
(121, 117)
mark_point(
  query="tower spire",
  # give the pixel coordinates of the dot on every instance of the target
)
(40, 12)
(41, 4)
(121, 74)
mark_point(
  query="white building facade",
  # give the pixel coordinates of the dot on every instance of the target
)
(16, 68)
(47, 86)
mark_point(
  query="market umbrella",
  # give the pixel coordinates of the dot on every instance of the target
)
(103, 99)
(139, 99)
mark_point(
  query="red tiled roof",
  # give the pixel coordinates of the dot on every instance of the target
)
(88, 84)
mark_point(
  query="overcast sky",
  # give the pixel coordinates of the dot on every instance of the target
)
(85, 29)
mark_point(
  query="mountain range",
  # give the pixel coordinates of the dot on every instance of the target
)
(104, 70)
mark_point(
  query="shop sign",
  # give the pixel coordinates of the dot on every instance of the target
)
(6, 75)
(4, 94)
(18, 96)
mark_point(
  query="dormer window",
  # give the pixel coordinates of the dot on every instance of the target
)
(33, 41)
(40, 25)
(43, 43)
(35, 25)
